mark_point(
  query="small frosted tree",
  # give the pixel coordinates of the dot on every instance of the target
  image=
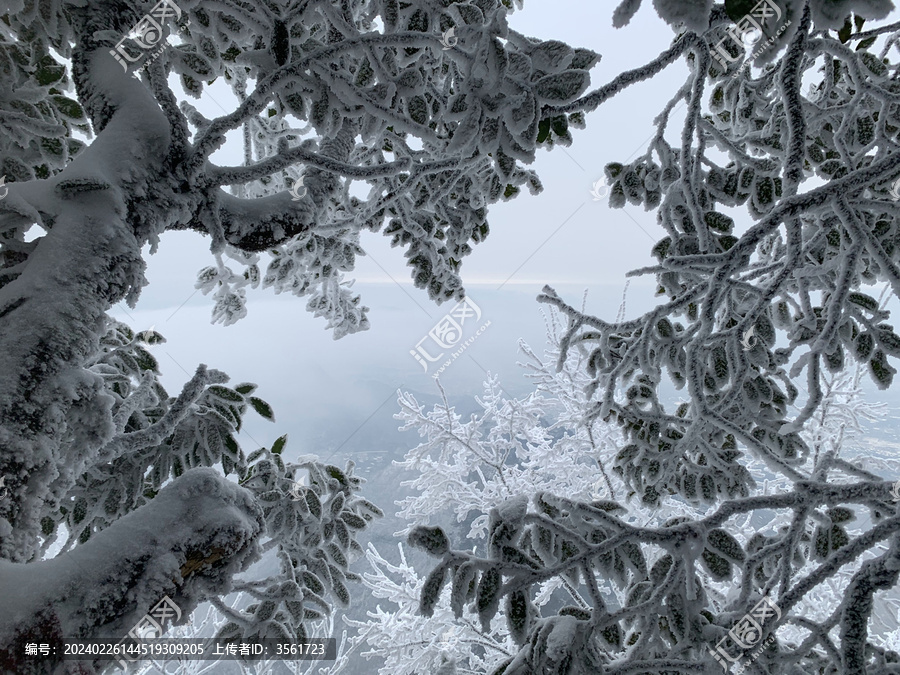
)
(468, 469)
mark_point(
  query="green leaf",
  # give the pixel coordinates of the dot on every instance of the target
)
(340, 592)
(145, 360)
(263, 408)
(417, 110)
(49, 71)
(613, 635)
(882, 372)
(543, 130)
(432, 540)
(198, 64)
(718, 222)
(874, 64)
(584, 59)
(840, 514)
(865, 44)
(765, 191)
(462, 581)
(313, 582)
(865, 343)
(487, 597)
(518, 616)
(338, 475)
(309, 614)
(561, 87)
(53, 146)
(845, 31)
(225, 393)
(577, 612)
(431, 590)
(418, 22)
(722, 542)
(640, 592)
(337, 555)
(279, 444)
(315, 506)
(863, 300)
(337, 504)
(245, 388)
(718, 568)
(889, 341)
(191, 86)
(68, 108)
(353, 521)
(365, 75)
(369, 506)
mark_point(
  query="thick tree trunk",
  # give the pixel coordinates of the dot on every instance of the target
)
(54, 414)
(187, 543)
(52, 315)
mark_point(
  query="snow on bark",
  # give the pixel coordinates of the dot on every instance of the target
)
(187, 543)
(53, 311)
